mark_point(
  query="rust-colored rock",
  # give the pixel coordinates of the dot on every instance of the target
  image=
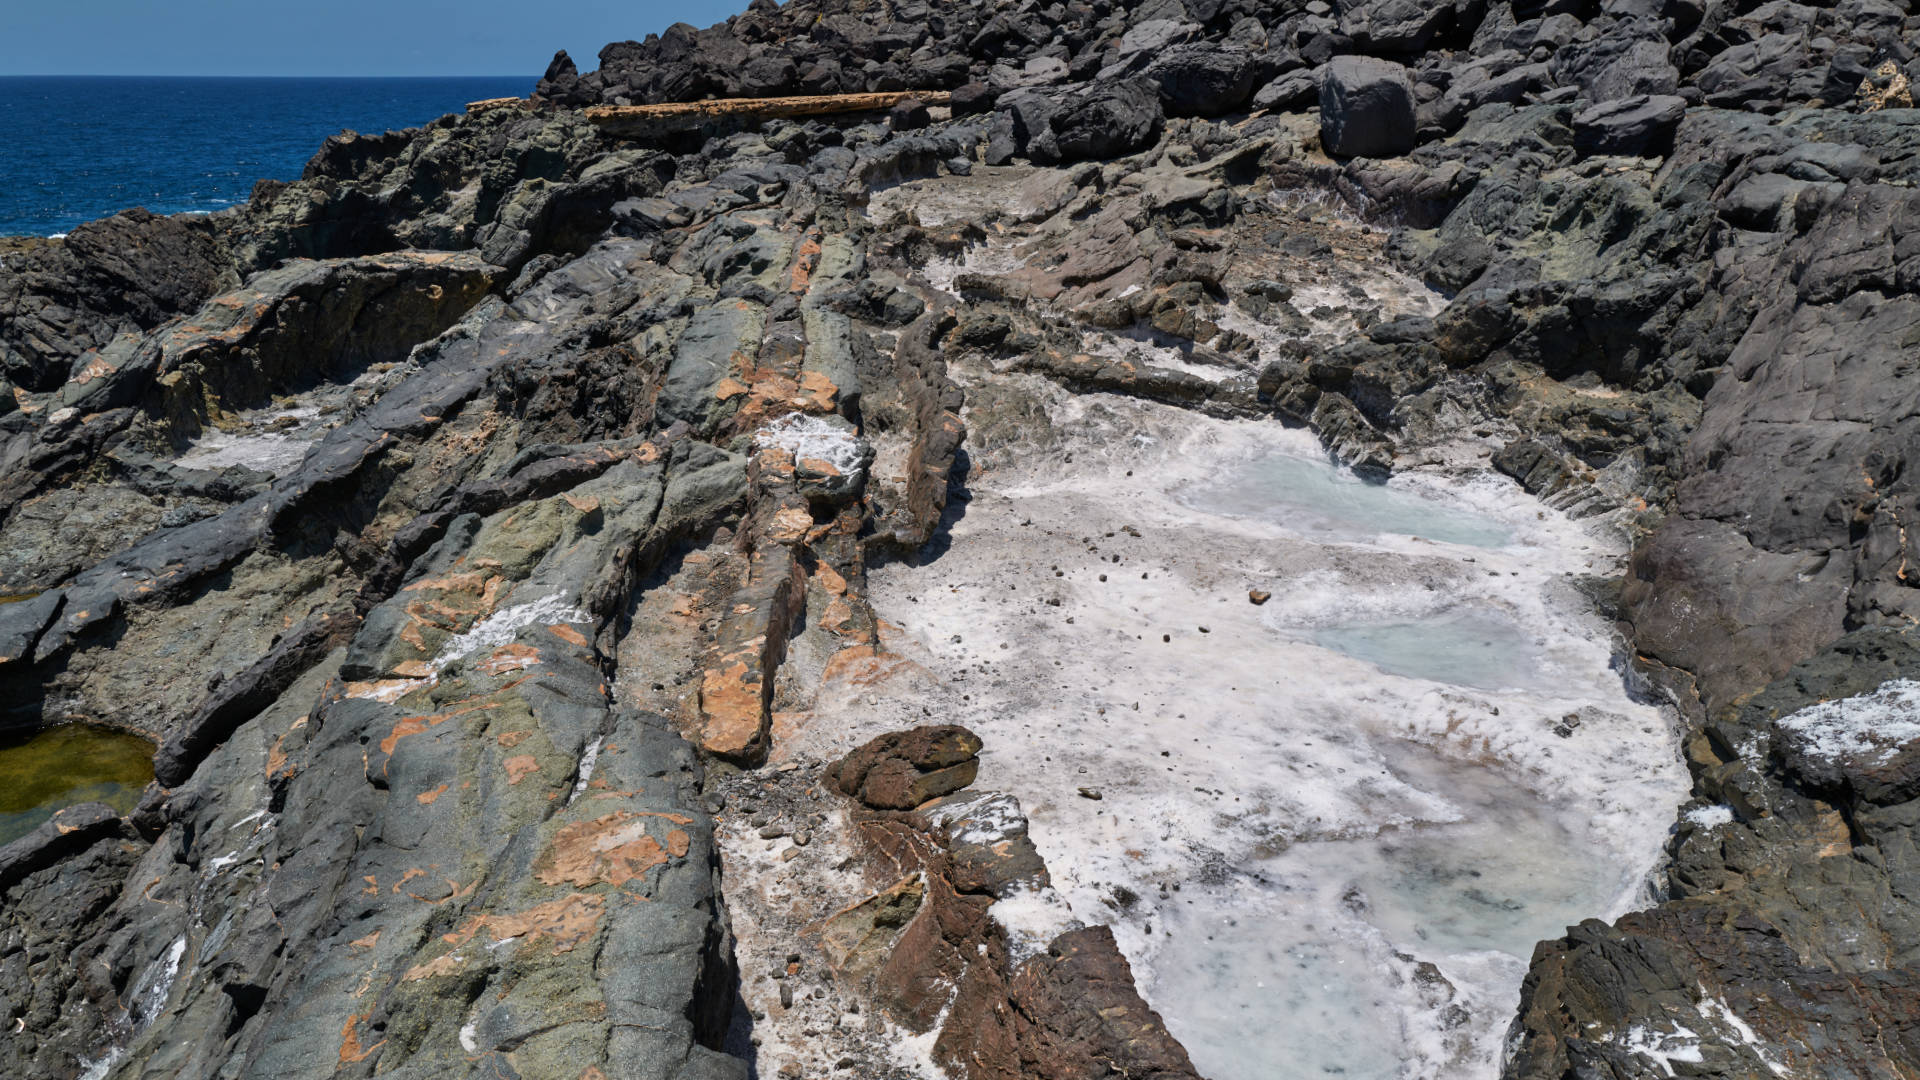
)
(613, 848)
(902, 769)
(1065, 1012)
(1076, 1013)
(862, 937)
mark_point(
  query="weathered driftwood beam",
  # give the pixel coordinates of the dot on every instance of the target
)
(640, 116)
(496, 103)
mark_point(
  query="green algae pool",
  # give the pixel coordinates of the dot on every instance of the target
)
(66, 765)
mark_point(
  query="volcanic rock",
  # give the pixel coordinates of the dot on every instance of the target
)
(1366, 108)
(902, 770)
(447, 513)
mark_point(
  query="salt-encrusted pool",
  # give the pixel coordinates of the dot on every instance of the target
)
(1463, 646)
(1305, 493)
(1329, 827)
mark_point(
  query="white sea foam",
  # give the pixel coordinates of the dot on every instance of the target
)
(1033, 917)
(587, 760)
(1867, 728)
(1716, 1008)
(500, 627)
(1709, 817)
(98, 1068)
(814, 437)
(1682, 1044)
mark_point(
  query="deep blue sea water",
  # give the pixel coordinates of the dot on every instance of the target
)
(80, 147)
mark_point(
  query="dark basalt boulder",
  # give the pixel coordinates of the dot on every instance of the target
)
(1098, 120)
(1395, 26)
(69, 830)
(1629, 60)
(125, 273)
(1366, 108)
(1205, 79)
(1641, 125)
(1076, 1003)
(909, 115)
(973, 97)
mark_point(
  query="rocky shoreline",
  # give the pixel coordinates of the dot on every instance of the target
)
(481, 525)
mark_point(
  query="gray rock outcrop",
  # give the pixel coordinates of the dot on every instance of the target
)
(453, 516)
(1366, 108)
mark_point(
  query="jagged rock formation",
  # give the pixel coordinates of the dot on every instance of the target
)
(451, 517)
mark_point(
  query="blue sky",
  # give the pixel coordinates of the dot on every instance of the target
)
(326, 37)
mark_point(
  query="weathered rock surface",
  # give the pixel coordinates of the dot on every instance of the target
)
(446, 513)
(1366, 108)
(933, 954)
(902, 770)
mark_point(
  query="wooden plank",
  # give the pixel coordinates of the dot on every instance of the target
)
(614, 116)
(496, 103)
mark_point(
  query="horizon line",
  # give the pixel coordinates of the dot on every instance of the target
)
(245, 75)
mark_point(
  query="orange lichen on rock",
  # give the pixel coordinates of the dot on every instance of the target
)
(790, 523)
(514, 657)
(384, 690)
(818, 392)
(277, 764)
(804, 262)
(563, 923)
(519, 767)
(613, 848)
(830, 579)
(412, 725)
(350, 1048)
(864, 665)
(732, 707)
(838, 617)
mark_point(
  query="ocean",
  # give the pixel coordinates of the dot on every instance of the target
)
(76, 148)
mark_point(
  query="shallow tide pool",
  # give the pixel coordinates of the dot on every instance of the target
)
(67, 765)
(1311, 496)
(1464, 647)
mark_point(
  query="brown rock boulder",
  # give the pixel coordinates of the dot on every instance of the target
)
(1077, 1014)
(902, 769)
